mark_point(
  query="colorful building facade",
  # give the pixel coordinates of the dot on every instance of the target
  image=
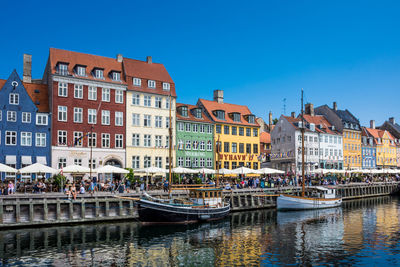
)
(368, 150)
(87, 100)
(194, 137)
(24, 122)
(386, 149)
(394, 128)
(235, 131)
(150, 92)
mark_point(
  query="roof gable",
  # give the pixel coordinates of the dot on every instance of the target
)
(204, 118)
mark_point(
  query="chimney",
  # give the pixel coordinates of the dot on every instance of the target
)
(392, 121)
(293, 114)
(334, 106)
(219, 96)
(309, 109)
(270, 121)
(149, 60)
(372, 124)
(119, 58)
(27, 73)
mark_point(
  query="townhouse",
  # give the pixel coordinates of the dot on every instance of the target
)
(368, 150)
(394, 128)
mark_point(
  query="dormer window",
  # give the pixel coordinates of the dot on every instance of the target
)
(346, 125)
(81, 71)
(236, 117)
(197, 113)
(184, 111)
(251, 119)
(116, 76)
(99, 74)
(300, 124)
(220, 114)
(312, 127)
(151, 84)
(379, 140)
(137, 81)
(166, 86)
(62, 68)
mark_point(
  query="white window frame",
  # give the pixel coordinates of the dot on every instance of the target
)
(13, 137)
(78, 91)
(137, 82)
(105, 117)
(40, 118)
(11, 116)
(135, 162)
(81, 71)
(119, 96)
(135, 119)
(63, 111)
(119, 118)
(158, 102)
(116, 76)
(40, 139)
(105, 94)
(62, 89)
(151, 84)
(158, 141)
(119, 140)
(105, 140)
(13, 99)
(136, 99)
(146, 120)
(26, 117)
(92, 93)
(78, 115)
(147, 140)
(92, 116)
(62, 134)
(135, 139)
(92, 140)
(99, 74)
(166, 86)
(147, 101)
(158, 122)
(76, 136)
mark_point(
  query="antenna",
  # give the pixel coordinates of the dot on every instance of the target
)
(284, 106)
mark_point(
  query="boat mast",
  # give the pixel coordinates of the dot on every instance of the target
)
(170, 146)
(302, 146)
(218, 148)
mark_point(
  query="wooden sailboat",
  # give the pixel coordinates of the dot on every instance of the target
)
(320, 198)
(202, 204)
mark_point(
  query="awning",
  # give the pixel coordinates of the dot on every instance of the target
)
(26, 160)
(41, 160)
(11, 159)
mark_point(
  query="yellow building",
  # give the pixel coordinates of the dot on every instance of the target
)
(352, 149)
(236, 130)
(386, 154)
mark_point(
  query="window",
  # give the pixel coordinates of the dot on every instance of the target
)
(78, 91)
(146, 120)
(62, 138)
(41, 119)
(255, 165)
(209, 129)
(158, 141)
(147, 140)
(137, 81)
(105, 140)
(119, 141)
(40, 139)
(218, 129)
(241, 148)
(195, 162)
(255, 148)
(158, 162)
(188, 145)
(202, 145)
(220, 114)
(105, 117)
(158, 102)
(116, 76)
(184, 111)
(226, 164)
(158, 121)
(226, 129)
(135, 162)
(63, 69)
(195, 127)
(147, 101)
(81, 71)
(62, 113)
(136, 99)
(248, 148)
(180, 144)
(180, 126)
(187, 127)
(78, 139)
(135, 139)
(251, 118)
(92, 140)
(92, 163)
(151, 84)
(209, 145)
(92, 116)
(135, 119)
(167, 141)
(167, 102)
(1, 115)
(197, 113)
(248, 132)
(234, 147)
(180, 161)
(78, 115)
(99, 74)
(119, 96)
(26, 117)
(234, 165)
(209, 163)
(255, 134)
(92, 93)
(226, 147)
(241, 131)
(105, 95)
(14, 99)
(166, 86)
(12, 116)
(63, 89)
(234, 130)
(11, 138)
(202, 128)
(119, 118)
(236, 117)
(78, 162)
(187, 162)
(147, 162)
(62, 163)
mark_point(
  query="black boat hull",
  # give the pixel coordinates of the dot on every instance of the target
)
(159, 213)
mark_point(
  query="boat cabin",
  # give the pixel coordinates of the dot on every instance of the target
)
(324, 192)
(206, 196)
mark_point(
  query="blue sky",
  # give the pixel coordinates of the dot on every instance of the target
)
(258, 52)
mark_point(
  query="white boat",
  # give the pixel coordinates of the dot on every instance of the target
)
(321, 198)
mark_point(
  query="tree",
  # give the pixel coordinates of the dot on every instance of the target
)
(275, 121)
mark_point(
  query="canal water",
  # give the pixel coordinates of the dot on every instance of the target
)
(362, 232)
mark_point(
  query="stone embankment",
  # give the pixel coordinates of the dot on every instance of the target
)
(49, 209)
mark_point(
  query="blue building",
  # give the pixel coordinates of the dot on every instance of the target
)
(368, 150)
(24, 123)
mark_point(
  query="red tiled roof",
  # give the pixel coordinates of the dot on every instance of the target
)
(191, 117)
(377, 133)
(265, 138)
(320, 120)
(148, 71)
(211, 106)
(41, 97)
(90, 61)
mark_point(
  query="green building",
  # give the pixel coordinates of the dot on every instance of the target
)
(194, 138)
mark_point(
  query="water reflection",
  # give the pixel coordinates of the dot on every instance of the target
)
(361, 232)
